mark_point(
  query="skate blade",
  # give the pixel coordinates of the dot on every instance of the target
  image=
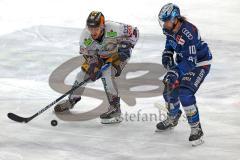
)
(197, 142)
(168, 129)
(111, 120)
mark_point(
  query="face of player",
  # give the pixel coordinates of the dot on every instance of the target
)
(96, 32)
(168, 25)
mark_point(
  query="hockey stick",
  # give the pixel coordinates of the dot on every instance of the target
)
(168, 90)
(17, 118)
(168, 95)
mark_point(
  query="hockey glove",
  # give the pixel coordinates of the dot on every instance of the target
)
(124, 50)
(167, 59)
(171, 79)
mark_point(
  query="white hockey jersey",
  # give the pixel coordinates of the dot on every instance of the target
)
(114, 34)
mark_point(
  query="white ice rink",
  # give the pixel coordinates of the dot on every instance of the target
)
(38, 36)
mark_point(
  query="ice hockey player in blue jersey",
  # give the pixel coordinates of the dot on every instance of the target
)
(186, 70)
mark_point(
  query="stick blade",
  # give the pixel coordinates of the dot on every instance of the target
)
(16, 118)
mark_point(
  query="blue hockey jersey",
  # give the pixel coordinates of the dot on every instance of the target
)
(191, 50)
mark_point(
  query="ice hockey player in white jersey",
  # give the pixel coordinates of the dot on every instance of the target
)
(103, 42)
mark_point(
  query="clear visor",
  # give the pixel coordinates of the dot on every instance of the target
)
(93, 29)
(161, 23)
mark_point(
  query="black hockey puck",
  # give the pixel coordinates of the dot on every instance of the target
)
(54, 122)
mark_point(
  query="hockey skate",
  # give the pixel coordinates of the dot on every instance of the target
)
(66, 104)
(169, 123)
(196, 136)
(113, 115)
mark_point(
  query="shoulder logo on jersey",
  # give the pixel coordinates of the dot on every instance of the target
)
(128, 30)
(111, 34)
(88, 41)
(187, 33)
(180, 40)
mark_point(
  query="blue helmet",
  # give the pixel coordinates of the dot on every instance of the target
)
(169, 11)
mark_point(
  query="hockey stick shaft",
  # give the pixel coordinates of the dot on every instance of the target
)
(17, 118)
(168, 90)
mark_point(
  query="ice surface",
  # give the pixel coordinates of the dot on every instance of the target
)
(38, 36)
